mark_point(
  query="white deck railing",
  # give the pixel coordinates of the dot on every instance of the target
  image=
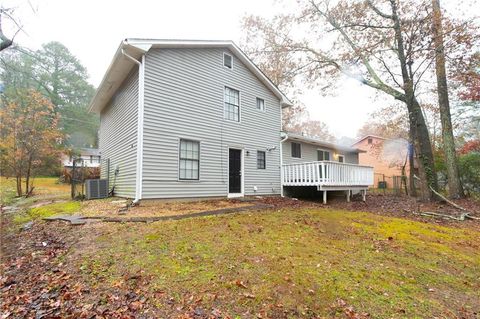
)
(326, 173)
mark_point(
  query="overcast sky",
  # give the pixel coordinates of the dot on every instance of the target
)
(92, 31)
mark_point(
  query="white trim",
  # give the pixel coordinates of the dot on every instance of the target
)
(231, 57)
(291, 149)
(140, 117)
(325, 150)
(119, 69)
(242, 171)
(239, 104)
(179, 139)
(281, 152)
(264, 105)
(235, 195)
(264, 160)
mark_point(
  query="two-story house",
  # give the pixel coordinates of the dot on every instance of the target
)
(388, 157)
(188, 119)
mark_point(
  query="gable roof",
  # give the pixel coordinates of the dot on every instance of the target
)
(366, 136)
(318, 142)
(121, 66)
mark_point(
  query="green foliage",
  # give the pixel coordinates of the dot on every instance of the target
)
(59, 76)
(469, 166)
(469, 169)
(65, 208)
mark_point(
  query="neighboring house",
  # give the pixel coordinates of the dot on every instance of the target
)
(386, 156)
(181, 118)
(188, 119)
(90, 158)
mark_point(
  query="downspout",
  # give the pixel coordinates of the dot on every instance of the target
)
(140, 116)
(281, 164)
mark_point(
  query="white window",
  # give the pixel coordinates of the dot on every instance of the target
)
(189, 160)
(260, 104)
(261, 160)
(296, 150)
(232, 105)
(227, 61)
(323, 155)
(341, 158)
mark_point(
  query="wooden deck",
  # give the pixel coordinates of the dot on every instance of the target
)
(328, 175)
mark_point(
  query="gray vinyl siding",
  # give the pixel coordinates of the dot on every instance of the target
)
(184, 96)
(118, 136)
(309, 153)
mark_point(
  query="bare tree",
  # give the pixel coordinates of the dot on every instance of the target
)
(455, 188)
(6, 41)
(380, 43)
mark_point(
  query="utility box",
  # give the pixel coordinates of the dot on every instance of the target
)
(96, 188)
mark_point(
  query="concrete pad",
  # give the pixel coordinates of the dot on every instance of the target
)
(73, 219)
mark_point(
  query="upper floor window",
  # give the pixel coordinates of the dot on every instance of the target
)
(227, 60)
(260, 104)
(341, 158)
(323, 155)
(232, 104)
(261, 160)
(189, 160)
(296, 150)
(369, 141)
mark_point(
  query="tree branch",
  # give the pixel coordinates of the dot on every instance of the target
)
(378, 11)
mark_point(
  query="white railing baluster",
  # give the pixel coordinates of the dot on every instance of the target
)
(326, 173)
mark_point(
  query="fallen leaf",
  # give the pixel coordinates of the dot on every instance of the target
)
(249, 295)
(240, 284)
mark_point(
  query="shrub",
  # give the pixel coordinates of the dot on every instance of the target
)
(469, 166)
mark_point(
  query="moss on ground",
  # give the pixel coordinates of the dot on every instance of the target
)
(302, 260)
(64, 208)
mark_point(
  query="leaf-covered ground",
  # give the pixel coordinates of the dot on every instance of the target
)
(297, 260)
(306, 262)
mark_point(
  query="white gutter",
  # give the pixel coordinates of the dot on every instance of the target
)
(140, 116)
(281, 162)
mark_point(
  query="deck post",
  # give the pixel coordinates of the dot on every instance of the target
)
(364, 195)
(325, 197)
(348, 196)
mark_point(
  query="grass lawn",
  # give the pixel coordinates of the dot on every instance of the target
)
(45, 187)
(36, 213)
(301, 263)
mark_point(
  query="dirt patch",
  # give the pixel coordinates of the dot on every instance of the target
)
(116, 207)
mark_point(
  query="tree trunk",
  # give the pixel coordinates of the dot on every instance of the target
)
(28, 189)
(455, 188)
(411, 165)
(418, 127)
(19, 185)
(426, 162)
